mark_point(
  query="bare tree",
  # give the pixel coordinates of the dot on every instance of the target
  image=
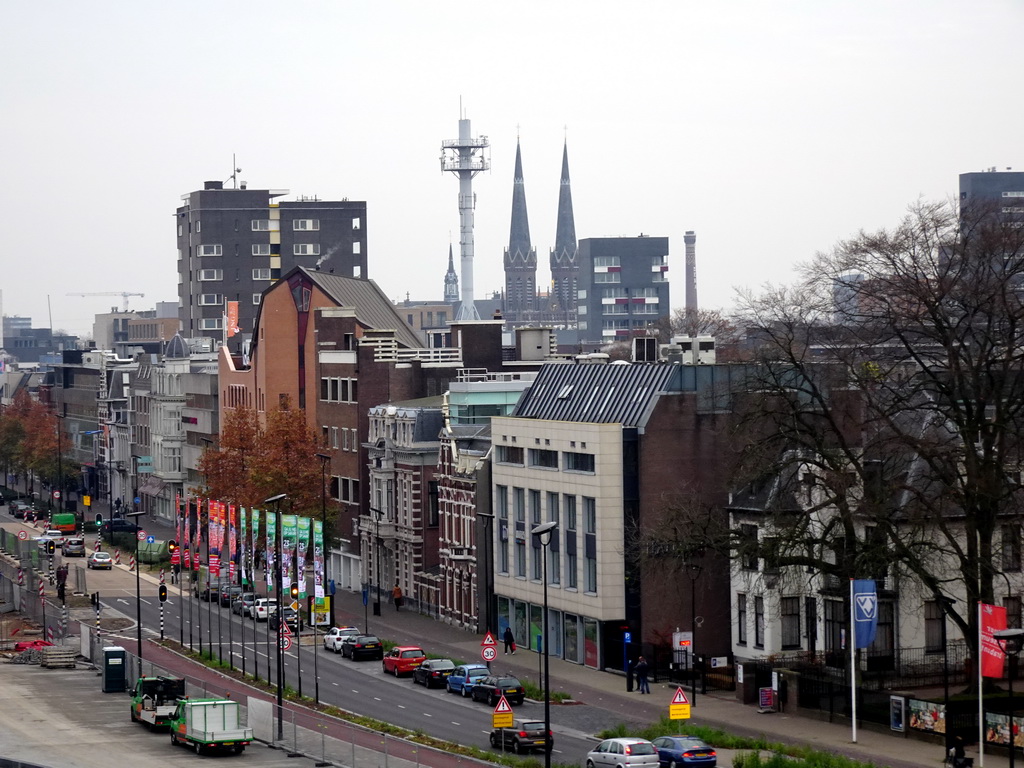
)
(887, 401)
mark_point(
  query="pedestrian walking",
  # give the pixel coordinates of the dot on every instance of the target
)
(396, 595)
(641, 675)
(510, 641)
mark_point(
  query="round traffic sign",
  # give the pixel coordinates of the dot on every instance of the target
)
(141, 535)
(488, 653)
(137, 500)
(150, 539)
(286, 642)
(56, 494)
(22, 535)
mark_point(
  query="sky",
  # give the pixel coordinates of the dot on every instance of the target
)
(773, 130)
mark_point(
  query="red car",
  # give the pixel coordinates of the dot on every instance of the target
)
(403, 659)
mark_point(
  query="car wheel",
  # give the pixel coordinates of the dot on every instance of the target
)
(671, 764)
(239, 749)
(134, 718)
(464, 692)
(199, 748)
(492, 700)
(174, 739)
(590, 764)
(519, 748)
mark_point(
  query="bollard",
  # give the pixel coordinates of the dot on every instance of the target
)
(117, 557)
(21, 577)
(131, 563)
(42, 592)
(96, 546)
(161, 575)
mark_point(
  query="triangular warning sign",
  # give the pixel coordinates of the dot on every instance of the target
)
(503, 707)
(489, 641)
(286, 631)
(680, 697)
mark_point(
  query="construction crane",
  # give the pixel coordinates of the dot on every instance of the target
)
(123, 294)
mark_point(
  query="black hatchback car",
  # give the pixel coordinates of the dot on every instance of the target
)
(433, 672)
(362, 647)
(493, 687)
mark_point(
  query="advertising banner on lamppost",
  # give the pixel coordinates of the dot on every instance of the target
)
(243, 545)
(318, 559)
(289, 530)
(254, 533)
(213, 542)
(300, 550)
(186, 536)
(269, 559)
(232, 543)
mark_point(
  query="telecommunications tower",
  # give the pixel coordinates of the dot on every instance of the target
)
(465, 157)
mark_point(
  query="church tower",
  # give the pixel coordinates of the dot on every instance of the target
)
(565, 266)
(451, 280)
(520, 256)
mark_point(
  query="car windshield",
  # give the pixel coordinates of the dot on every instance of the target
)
(691, 744)
(101, 556)
(413, 654)
(505, 681)
(442, 664)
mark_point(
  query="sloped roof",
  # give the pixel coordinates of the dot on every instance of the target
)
(596, 393)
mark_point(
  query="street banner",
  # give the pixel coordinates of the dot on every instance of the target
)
(993, 618)
(289, 531)
(243, 546)
(213, 539)
(254, 548)
(865, 611)
(232, 543)
(269, 559)
(176, 555)
(300, 550)
(231, 326)
(186, 537)
(318, 559)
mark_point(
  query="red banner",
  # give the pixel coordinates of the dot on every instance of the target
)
(993, 617)
(232, 316)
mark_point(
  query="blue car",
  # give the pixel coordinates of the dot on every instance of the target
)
(464, 677)
(676, 751)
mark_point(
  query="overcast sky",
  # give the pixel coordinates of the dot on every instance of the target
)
(772, 129)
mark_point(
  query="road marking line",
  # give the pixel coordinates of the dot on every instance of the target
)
(427, 714)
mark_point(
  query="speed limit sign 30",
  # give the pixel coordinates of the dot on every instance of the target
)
(488, 653)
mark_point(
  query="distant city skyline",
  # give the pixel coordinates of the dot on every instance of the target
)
(772, 131)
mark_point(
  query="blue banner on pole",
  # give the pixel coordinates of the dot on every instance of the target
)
(865, 611)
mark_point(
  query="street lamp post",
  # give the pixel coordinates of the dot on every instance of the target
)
(276, 501)
(544, 532)
(60, 464)
(946, 604)
(377, 515)
(693, 570)
(324, 458)
(138, 593)
(1011, 642)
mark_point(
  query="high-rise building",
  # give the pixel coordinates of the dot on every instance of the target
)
(623, 286)
(993, 192)
(233, 243)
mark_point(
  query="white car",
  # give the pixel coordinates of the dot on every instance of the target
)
(623, 753)
(264, 608)
(334, 636)
(57, 537)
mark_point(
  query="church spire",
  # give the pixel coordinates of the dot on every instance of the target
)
(520, 256)
(564, 264)
(451, 280)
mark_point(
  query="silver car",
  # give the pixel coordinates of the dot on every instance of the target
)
(73, 547)
(619, 753)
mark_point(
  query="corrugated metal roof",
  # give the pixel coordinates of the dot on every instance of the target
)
(371, 304)
(596, 393)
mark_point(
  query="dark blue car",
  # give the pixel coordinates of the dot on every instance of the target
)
(676, 751)
(464, 676)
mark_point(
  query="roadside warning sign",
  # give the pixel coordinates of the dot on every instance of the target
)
(679, 707)
(286, 631)
(489, 640)
(502, 716)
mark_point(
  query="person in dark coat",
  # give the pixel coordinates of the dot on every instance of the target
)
(641, 675)
(510, 641)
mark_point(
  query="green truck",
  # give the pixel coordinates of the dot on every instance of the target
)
(209, 724)
(155, 699)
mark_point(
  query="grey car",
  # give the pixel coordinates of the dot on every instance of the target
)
(73, 547)
(623, 753)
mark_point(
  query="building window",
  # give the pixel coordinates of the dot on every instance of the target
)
(356, 222)
(210, 275)
(334, 438)
(261, 249)
(211, 250)
(836, 619)
(578, 462)
(1012, 605)
(885, 630)
(741, 619)
(210, 299)
(1011, 546)
(210, 324)
(790, 610)
(554, 559)
(607, 277)
(606, 261)
(520, 556)
(261, 274)
(590, 544)
(306, 249)
(509, 454)
(933, 620)
(357, 247)
(257, 298)
(543, 458)
(305, 225)
(261, 225)
(534, 508)
(501, 512)
(748, 534)
(759, 622)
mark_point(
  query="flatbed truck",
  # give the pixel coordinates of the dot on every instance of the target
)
(209, 724)
(154, 700)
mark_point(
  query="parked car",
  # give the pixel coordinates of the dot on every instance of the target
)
(523, 736)
(362, 646)
(433, 672)
(403, 659)
(291, 617)
(210, 593)
(18, 508)
(243, 603)
(100, 560)
(116, 526)
(684, 750)
(57, 537)
(73, 547)
(264, 608)
(228, 593)
(493, 687)
(334, 636)
(623, 753)
(464, 677)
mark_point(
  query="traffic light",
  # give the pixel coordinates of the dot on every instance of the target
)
(51, 546)
(163, 593)
(99, 518)
(295, 591)
(172, 546)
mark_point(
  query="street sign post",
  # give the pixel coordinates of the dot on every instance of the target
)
(502, 716)
(141, 535)
(151, 539)
(488, 641)
(488, 653)
(679, 707)
(286, 642)
(22, 535)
